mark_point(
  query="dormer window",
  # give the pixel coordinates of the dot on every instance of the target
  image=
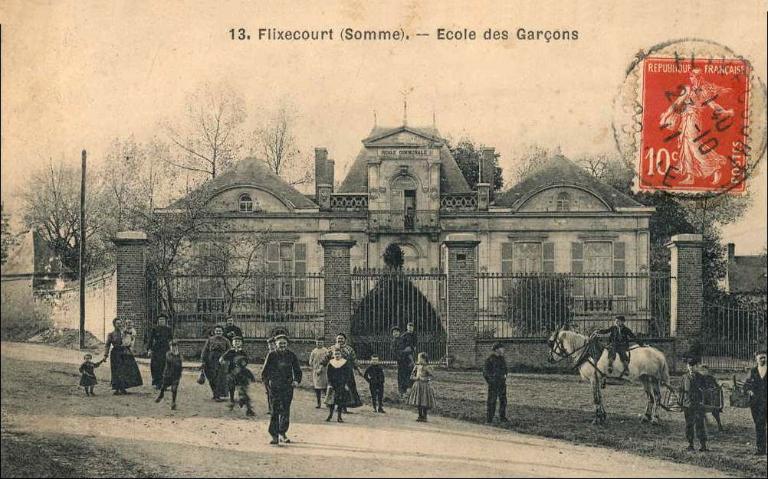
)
(563, 201)
(246, 203)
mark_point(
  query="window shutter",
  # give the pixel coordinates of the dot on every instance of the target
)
(577, 267)
(548, 257)
(300, 269)
(506, 267)
(619, 268)
(273, 257)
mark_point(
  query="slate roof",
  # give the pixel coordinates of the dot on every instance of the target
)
(559, 170)
(747, 274)
(452, 179)
(255, 172)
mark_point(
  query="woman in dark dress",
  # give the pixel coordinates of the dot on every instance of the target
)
(340, 377)
(158, 345)
(216, 373)
(122, 364)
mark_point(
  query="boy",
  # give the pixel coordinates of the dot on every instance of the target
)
(271, 346)
(230, 360)
(87, 374)
(495, 375)
(242, 377)
(375, 377)
(619, 336)
(691, 399)
(171, 373)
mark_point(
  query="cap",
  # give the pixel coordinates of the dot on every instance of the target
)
(497, 346)
(395, 328)
(692, 361)
(620, 318)
(280, 336)
(239, 338)
(410, 323)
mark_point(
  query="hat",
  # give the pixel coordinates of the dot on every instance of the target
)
(395, 328)
(279, 337)
(410, 323)
(497, 346)
(239, 338)
(270, 340)
(692, 361)
(760, 352)
(620, 318)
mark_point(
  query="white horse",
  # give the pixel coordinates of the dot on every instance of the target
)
(647, 365)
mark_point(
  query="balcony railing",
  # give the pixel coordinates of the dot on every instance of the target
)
(349, 202)
(399, 221)
(459, 202)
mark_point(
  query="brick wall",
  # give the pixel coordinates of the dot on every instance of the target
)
(131, 281)
(462, 299)
(338, 285)
(686, 301)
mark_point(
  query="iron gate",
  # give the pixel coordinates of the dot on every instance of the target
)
(732, 334)
(382, 299)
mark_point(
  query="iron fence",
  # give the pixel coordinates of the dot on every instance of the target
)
(731, 334)
(382, 299)
(261, 304)
(532, 305)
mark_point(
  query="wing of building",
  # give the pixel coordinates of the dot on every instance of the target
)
(405, 187)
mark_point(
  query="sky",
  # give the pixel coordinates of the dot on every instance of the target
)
(76, 75)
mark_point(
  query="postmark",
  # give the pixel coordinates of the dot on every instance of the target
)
(690, 117)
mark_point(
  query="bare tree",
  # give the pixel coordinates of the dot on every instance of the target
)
(208, 139)
(51, 206)
(529, 159)
(275, 142)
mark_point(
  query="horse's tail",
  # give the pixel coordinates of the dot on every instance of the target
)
(664, 374)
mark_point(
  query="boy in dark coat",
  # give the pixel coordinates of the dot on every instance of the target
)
(756, 387)
(619, 337)
(495, 374)
(171, 373)
(375, 377)
(236, 360)
(282, 373)
(691, 401)
(87, 374)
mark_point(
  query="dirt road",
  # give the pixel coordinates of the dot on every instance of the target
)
(202, 438)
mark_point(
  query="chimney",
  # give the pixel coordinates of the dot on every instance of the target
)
(731, 251)
(487, 169)
(323, 188)
(330, 173)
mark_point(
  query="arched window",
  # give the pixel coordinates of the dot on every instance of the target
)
(246, 203)
(563, 201)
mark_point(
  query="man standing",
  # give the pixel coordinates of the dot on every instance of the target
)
(404, 361)
(158, 344)
(495, 374)
(231, 331)
(756, 387)
(691, 399)
(281, 373)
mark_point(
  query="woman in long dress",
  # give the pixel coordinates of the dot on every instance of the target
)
(215, 372)
(348, 353)
(340, 376)
(122, 364)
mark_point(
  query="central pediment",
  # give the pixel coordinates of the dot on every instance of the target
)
(403, 136)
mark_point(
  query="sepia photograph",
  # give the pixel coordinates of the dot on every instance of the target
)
(390, 239)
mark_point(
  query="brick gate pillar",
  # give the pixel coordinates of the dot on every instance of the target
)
(337, 284)
(132, 281)
(462, 297)
(686, 290)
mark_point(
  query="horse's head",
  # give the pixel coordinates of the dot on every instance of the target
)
(557, 350)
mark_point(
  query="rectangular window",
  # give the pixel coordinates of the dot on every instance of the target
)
(506, 267)
(577, 267)
(619, 269)
(288, 263)
(598, 261)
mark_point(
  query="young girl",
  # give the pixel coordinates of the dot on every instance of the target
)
(87, 375)
(171, 373)
(421, 393)
(339, 374)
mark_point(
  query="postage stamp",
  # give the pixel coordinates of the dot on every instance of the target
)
(688, 117)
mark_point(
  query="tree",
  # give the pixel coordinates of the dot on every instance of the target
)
(468, 155)
(6, 235)
(208, 139)
(529, 159)
(393, 257)
(275, 142)
(51, 201)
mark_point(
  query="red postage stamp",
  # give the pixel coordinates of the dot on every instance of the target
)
(695, 123)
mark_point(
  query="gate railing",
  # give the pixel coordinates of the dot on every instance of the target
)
(532, 305)
(732, 334)
(261, 304)
(382, 299)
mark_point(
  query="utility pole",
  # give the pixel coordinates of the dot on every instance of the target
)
(82, 255)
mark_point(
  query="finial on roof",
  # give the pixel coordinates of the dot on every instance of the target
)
(375, 120)
(405, 94)
(434, 119)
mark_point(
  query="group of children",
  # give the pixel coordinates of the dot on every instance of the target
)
(239, 378)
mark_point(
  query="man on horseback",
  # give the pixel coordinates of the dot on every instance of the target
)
(619, 337)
